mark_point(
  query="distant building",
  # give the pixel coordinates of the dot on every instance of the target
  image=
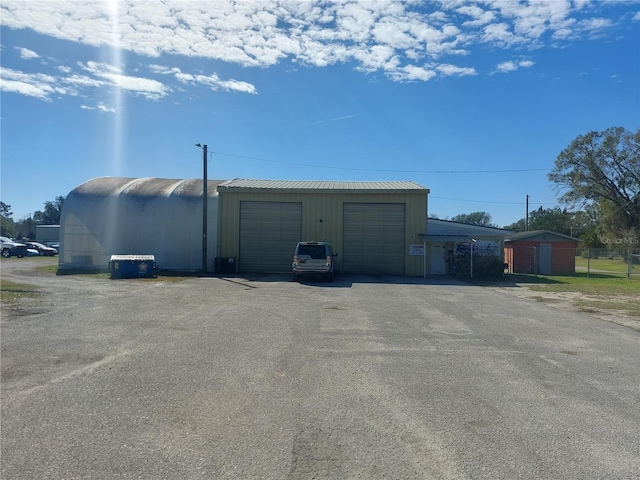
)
(47, 233)
(541, 252)
(446, 238)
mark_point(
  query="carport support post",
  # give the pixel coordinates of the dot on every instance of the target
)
(473, 240)
(424, 258)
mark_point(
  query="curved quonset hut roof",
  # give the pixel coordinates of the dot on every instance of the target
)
(143, 187)
(151, 216)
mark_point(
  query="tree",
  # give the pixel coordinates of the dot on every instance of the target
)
(7, 225)
(552, 219)
(25, 228)
(5, 210)
(51, 213)
(475, 218)
(519, 226)
(603, 169)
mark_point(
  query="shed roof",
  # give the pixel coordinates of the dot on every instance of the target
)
(243, 184)
(533, 235)
(437, 227)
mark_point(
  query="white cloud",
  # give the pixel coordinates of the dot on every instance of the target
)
(212, 81)
(101, 107)
(151, 89)
(479, 16)
(393, 37)
(507, 67)
(27, 54)
(511, 66)
(411, 73)
(32, 85)
(449, 70)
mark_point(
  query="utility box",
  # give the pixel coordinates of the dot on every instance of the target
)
(132, 266)
(225, 265)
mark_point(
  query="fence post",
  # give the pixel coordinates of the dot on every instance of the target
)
(588, 261)
(629, 262)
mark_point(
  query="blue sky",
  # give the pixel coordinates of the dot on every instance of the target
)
(472, 99)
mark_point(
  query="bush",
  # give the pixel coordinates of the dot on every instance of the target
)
(484, 266)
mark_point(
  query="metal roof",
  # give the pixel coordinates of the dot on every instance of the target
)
(319, 185)
(445, 238)
(145, 187)
(539, 233)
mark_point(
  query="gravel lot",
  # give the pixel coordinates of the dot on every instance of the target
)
(260, 377)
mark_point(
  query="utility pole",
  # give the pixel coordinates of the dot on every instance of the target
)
(204, 207)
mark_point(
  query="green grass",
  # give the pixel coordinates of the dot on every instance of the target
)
(631, 308)
(603, 292)
(10, 291)
(597, 284)
(618, 265)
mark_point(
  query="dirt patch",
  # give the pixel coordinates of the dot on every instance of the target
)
(596, 306)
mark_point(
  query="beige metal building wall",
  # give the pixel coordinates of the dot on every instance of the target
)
(323, 211)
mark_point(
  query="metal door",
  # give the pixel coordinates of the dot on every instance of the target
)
(374, 238)
(545, 259)
(269, 233)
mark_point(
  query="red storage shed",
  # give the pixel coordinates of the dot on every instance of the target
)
(541, 252)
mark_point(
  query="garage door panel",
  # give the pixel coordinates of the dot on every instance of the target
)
(269, 232)
(374, 238)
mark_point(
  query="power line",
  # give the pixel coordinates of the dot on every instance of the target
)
(486, 201)
(384, 170)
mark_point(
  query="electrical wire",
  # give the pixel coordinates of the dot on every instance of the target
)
(487, 201)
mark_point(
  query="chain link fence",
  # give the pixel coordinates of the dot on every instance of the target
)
(610, 261)
(551, 260)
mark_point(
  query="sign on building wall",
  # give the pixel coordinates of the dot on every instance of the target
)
(416, 249)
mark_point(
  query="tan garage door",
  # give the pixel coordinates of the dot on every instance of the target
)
(374, 238)
(269, 232)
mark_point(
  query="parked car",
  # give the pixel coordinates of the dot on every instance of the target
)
(43, 250)
(55, 245)
(32, 252)
(314, 259)
(12, 249)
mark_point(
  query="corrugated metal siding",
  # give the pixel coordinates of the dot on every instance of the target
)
(374, 238)
(269, 232)
(114, 215)
(322, 218)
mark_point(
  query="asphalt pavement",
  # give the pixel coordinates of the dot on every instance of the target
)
(261, 377)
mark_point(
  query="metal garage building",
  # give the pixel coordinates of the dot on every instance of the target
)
(371, 225)
(152, 216)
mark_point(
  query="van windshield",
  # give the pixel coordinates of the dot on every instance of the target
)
(313, 251)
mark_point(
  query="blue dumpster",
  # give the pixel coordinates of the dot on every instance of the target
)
(132, 266)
